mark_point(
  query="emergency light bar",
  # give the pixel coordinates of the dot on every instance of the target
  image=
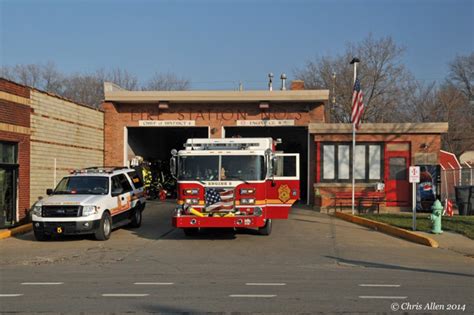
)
(229, 144)
(97, 170)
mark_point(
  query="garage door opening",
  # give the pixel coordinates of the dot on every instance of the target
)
(294, 140)
(154, 145)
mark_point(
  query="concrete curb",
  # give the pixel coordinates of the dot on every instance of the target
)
(16, 230)
(388, 229)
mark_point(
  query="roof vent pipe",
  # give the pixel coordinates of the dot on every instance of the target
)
(270, 81)
(283, 81)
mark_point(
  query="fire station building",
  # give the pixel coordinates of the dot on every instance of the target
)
(151, 123)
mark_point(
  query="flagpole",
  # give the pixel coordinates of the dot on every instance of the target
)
(354, 61)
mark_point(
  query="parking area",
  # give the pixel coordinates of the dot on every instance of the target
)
(311, 262)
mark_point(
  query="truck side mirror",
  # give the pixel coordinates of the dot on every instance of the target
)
(173, 166)
(49, 191)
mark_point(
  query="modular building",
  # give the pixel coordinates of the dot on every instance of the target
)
(42, 137)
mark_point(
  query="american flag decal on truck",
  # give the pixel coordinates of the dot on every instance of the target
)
(219, 199)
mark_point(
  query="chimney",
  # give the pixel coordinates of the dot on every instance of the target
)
(297, 85)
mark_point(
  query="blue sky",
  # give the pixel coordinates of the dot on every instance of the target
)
(219, 43)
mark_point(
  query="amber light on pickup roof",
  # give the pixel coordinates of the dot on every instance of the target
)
(193, 191)
(247, 191)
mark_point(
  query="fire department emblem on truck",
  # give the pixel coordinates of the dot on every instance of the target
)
(284, 193)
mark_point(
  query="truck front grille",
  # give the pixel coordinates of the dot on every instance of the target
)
(61, 211)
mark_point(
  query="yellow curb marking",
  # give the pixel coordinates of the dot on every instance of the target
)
(388, 229)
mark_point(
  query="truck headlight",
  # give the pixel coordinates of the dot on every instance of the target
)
(257, 211)
(89, 210)
(247, 191)
(247, 201)
(38, 210)
(191, 201)
(193, 191)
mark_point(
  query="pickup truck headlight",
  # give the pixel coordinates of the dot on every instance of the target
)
(88, 210)
(247, 201)
(38, 210)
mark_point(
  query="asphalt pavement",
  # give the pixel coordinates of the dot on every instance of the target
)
(311, 263)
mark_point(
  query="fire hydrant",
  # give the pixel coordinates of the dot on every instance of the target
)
(436, 217)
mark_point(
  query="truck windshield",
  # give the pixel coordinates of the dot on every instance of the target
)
(202, 167)
(233, 167)
(243, 167)
(83, 185)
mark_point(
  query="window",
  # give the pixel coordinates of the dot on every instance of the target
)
(8, 153)
(85, 185)
(336, 162)
(397, 168)
(120, 182)
(137, 182)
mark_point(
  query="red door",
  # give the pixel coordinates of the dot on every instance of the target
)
(397, 187)
(283, 189)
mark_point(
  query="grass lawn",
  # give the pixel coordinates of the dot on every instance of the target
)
(459, 224)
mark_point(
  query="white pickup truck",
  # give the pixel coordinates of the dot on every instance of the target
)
(91, 201)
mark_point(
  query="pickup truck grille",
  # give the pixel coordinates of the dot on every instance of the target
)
(61, 211)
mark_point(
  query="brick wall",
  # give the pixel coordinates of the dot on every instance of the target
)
(14, 88)
(14, 113)
(119, 116)
(419, 144)
(62, 130)
(15, 128)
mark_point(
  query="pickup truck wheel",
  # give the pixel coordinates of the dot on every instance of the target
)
(266, 229)
(191, 231)
(137, 217)
(105, 228)
(40, 236)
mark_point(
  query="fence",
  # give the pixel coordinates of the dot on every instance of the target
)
(453, 178)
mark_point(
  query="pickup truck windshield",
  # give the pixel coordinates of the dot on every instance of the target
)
(83, 185)
(233, 167)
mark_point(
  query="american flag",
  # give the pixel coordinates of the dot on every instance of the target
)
(219, 199)
(357, 104)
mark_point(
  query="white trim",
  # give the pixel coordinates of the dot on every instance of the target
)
(452, 154)
(222, 132)
(125, 146)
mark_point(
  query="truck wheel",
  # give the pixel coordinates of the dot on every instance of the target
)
(191, 231)
(105, 228)
(137, 217)
(40, 236)
(266, 229)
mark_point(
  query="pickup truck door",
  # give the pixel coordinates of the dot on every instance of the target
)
(283, 190)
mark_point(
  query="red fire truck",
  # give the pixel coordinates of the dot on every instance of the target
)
(233, 183)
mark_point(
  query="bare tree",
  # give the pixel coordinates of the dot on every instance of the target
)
(166, 82)
(52, 79)
(381, 74)
(84, 88)
(41, 76)
(461, 74)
